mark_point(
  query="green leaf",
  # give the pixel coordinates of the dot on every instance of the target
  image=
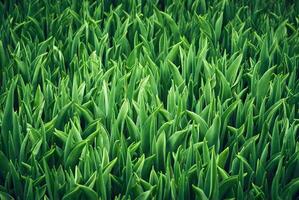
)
(161, 150)
(4, 164)
(177, 139)
(213, 132)
(2, 55)
(218, 26)
(7, 120)
(263, 84)
(88, 192)
(74, 155)
(144, 195)
(173, 53)
(123, 111)
(232, 70)
(222, 158)
(199, 193)
(203, 126)
(291, 188)
(178, 79)
(73, 194)
(226, 185)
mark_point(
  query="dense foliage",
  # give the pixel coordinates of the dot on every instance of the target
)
(148, 99)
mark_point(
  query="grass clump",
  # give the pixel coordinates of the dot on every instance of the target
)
(149, 99)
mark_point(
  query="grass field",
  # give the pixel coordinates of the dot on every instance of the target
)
(149, 99)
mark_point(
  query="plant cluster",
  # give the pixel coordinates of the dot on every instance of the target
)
(149, 99)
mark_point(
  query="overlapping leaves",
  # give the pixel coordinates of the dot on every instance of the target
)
(149, 99)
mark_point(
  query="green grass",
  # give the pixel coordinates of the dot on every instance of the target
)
(183, 99)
